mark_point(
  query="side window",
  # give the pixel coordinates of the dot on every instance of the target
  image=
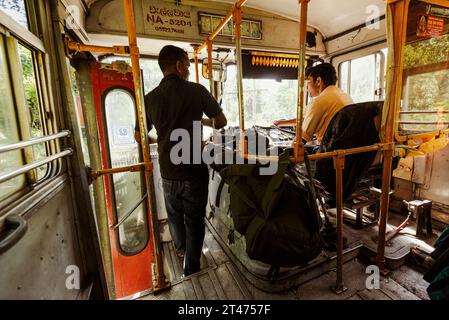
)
(33, 108)
(16, 10)
(24, 96)
(9, 130)
(127, 186)
(363, 78)
(425, 82)
(344, 76)
(265, 100)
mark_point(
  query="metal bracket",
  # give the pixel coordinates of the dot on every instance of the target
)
(73, 47)
(94, 174)
(339, 289)
(339, 160)
(386, 146)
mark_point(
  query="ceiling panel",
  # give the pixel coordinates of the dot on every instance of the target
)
(328, 16)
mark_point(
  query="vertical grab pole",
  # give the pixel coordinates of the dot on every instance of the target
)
(298, 145)
(197, 74)
(397, 15)
(211, 73)
(211, 82)
(134, 54)
(339, 165)
(237, 16)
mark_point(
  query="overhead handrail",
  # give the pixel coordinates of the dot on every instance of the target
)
(34, 141)
(34, 165)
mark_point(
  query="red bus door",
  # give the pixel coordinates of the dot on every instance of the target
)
(128, 218)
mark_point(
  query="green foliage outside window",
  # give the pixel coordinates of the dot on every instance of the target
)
(426, 82)
(32, 100)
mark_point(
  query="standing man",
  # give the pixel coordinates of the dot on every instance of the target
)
(328, 100)
(175, 104)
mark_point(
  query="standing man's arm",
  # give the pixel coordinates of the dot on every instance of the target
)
(212, 110)
(217, 122)
(151, 139)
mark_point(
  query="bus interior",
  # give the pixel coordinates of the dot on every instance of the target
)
(82, 213)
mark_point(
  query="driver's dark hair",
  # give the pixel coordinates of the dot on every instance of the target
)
(325, 71)
(169, 55)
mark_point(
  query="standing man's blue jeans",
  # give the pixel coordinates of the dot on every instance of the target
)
(185, 201)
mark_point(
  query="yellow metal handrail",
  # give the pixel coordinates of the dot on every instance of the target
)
(160, 282)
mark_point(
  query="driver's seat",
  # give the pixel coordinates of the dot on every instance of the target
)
(354, 126)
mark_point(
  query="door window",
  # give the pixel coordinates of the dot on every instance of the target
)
(127, 186)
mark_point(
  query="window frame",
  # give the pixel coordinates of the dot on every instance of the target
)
(9, 26)
(111, 180)
(13, 34)
(403, 128)
(10, 84)
(378, 84)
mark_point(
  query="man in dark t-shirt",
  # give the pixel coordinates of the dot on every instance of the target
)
(176, 110)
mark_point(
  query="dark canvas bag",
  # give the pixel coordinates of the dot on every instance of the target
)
(277, 214)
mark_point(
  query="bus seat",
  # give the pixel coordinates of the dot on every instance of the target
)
(354, 126)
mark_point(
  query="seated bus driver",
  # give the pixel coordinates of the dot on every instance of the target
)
(175, 105)
(328, 100)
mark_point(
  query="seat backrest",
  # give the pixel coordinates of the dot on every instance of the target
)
(353, 126)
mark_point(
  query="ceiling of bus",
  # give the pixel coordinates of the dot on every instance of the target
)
(339, 15)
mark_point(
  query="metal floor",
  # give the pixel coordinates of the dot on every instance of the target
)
(220, 279)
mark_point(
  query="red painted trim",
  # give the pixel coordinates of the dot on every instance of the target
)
(132, 274)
